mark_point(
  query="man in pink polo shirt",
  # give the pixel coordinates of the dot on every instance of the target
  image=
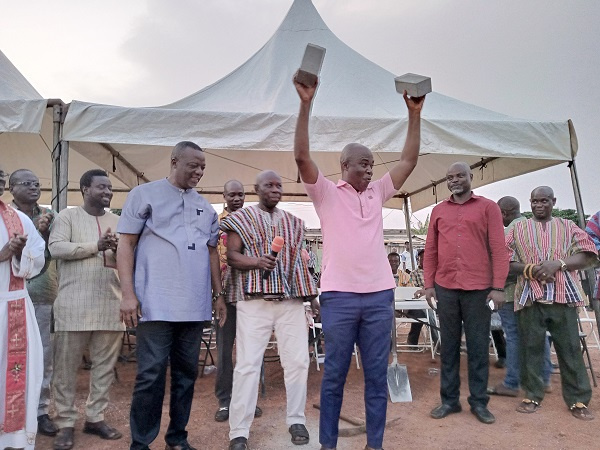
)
(357, 285)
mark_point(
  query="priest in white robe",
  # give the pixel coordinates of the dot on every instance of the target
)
(21, 355)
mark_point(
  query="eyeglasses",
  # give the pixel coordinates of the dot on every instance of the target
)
(28, 183)
(4, 174)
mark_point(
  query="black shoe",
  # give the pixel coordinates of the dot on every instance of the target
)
(222, 414)
(46, 426)
(238, 443)
(257, 412)
(500, 364)
(183, 446)
(483, 414)
(102, 429)
(439, 412)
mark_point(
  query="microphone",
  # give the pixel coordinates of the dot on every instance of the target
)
(276, 247)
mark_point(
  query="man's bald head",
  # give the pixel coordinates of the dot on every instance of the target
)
(542, 202)
(546, 191)
(354, 151)
(232, 185)
(510, 209)
(509, 203)
(234, 195)
(357, 163)
(266, 174)
(458, 180)
(269, 189)
(462, 166)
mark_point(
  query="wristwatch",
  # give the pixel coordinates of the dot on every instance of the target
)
(563, 265)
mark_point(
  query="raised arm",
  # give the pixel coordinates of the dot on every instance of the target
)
(306, 166)
(408, 158)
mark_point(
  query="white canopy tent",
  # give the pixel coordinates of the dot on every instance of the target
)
(245, 122)
(30, 128)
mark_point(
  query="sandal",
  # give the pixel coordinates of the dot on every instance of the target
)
(238, 443)
(299, 434)
(580, 411)
(528, 406)
(64, 439)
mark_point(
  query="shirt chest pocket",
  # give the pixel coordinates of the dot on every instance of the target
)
(200, 222)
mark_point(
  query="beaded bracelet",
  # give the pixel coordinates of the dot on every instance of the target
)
(216, 296)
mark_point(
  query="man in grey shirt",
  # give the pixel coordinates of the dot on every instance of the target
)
(167, 262)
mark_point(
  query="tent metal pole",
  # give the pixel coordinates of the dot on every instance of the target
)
(63, 179)
(60, 158)
(590, 276)
(409, 232)
(577, 193)
(56, 123)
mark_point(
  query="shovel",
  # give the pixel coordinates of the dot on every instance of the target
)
(397, 375)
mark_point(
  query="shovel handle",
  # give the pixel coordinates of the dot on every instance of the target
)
(350, 420)
(394, 336)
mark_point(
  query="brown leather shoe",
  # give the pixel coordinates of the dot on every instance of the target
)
(64, 439)
(102, 429)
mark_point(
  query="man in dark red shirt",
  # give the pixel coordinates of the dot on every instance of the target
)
(466, 264)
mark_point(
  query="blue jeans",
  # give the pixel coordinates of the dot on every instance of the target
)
(367, 320)
(511, 333)
(157, 343)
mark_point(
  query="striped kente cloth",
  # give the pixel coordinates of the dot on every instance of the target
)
(532, 243)
(257, 228)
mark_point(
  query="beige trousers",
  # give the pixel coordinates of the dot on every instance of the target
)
(69, 346)
(256, 320)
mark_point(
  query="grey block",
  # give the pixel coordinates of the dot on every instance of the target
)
(415, 85)
(311, 65)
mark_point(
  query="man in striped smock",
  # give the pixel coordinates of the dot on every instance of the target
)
(546, 253)
(269, 291)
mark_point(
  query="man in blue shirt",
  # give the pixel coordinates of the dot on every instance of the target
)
(167, 261)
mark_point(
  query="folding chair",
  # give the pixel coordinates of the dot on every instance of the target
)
(206, 341)
(320, 357)
(591, 321)
(586, 351)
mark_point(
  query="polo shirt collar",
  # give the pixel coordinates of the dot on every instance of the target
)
(342, 183)
(472, 197)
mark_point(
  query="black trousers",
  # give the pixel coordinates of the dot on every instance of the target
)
(500, 343)
(225, 340)
(455, 308)
(158, 343)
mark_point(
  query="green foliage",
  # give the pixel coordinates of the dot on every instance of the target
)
(570, 214)
(422, 228)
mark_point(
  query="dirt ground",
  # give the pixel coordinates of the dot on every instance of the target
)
(552, 427)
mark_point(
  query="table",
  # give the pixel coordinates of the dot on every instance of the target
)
(403, 299)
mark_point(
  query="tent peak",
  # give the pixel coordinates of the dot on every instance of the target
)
(302, 16)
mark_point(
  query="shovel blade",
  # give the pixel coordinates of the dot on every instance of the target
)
(398, 384)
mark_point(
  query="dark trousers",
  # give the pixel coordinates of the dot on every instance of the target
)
(500, 343)
(158, 343)
(415, 328)
(561, 322)
(367, 320)
(225, 340)
(455, 308)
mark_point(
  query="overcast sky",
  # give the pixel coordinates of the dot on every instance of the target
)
(534, 59)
